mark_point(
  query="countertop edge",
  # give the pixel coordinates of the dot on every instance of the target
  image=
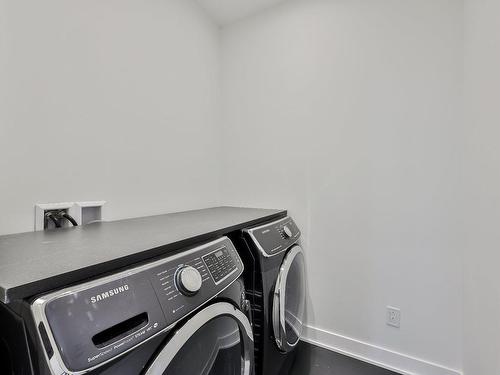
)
(7, 296)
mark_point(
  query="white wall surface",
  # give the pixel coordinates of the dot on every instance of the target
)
(348, 112)
(482, 176)
(228, 11)
(111, 100)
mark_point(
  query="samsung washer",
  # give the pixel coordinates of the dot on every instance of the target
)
(183, 314)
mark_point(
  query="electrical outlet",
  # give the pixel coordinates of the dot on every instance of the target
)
(393, 316)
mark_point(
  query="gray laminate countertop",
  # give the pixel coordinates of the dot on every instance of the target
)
(34, 262)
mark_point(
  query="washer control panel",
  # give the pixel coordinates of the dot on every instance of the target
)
(87, 325)
(274, 238)
(221, 264)
(188, 282)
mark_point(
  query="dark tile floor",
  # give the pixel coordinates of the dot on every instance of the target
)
(313, 360)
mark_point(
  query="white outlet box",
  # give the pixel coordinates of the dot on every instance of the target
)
(41, 208)
(87, 212)
(82, 212)
(393, 317)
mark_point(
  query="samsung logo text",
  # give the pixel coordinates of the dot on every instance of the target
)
(109, 293)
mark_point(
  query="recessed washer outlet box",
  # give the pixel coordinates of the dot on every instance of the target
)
(87, 212)
(42, 208)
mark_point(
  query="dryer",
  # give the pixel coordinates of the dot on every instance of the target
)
(182, 314)
(276, 285)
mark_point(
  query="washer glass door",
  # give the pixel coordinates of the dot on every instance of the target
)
(216, 341)
(289, 300)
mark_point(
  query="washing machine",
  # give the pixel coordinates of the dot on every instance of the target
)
(178, 315)
(276, 287)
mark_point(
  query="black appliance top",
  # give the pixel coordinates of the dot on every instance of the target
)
(35, 262)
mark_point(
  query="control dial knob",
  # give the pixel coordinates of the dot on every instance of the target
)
(287, 233)
(188, 280)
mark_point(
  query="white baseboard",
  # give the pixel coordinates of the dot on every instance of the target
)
(381, 357)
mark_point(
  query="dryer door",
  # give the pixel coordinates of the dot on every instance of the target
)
(216, 341)
(289, 300)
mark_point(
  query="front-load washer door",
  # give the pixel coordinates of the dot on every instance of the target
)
(289, 300)
(218, 340)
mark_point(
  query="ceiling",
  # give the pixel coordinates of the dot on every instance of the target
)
(227, 11)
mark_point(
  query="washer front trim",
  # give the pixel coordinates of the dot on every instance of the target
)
(279, 302)
(181, 337)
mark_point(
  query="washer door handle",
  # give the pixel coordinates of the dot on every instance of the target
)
(279, 302)
(181, 337)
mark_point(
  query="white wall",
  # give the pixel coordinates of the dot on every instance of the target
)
(228, 11)
(348, 112)
(114, 100)
(364, 94)
(482, 174)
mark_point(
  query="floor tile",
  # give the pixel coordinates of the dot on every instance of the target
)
(313, 360)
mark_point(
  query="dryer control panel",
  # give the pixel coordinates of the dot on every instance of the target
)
(274, 238)
(85, 326)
